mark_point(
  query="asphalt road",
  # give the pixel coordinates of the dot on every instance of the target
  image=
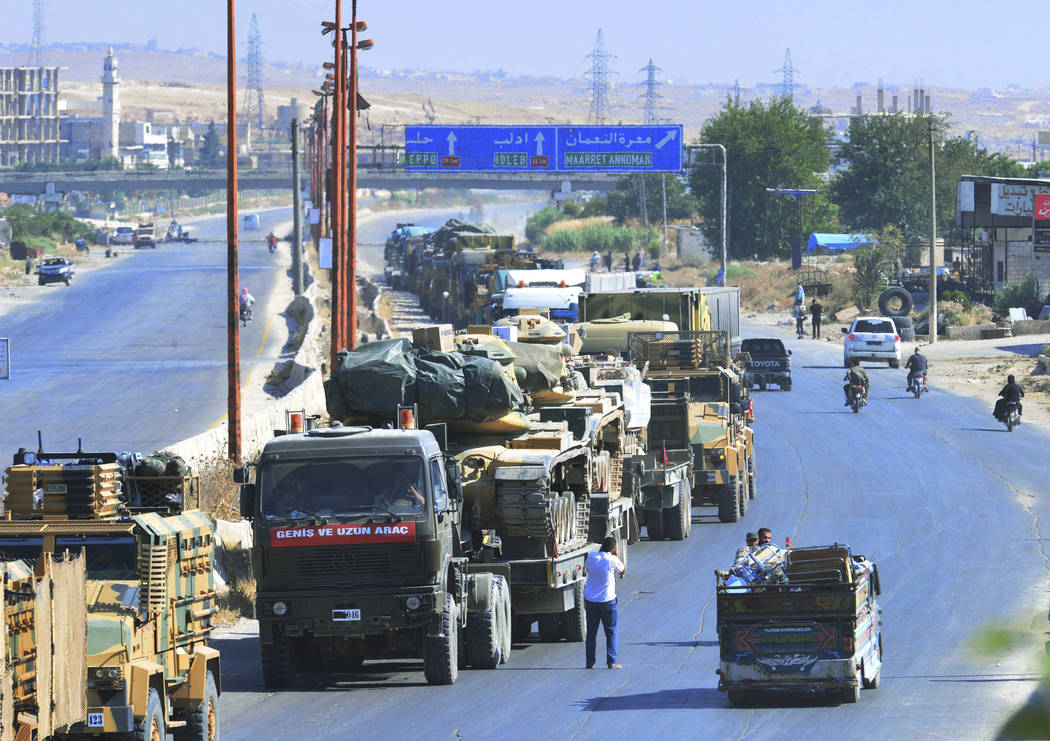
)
(132, 356)
(935, 491)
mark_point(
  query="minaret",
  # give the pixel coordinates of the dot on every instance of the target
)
(110, 107)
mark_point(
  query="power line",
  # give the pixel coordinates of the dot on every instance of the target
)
(599, 77)
(650, 96)
(787, 77)
(38, 32)
(253, 88)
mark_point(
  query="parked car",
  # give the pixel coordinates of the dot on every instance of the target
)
(251, 223)
(55, 270)
(769, 363)
(123, 235)
(872, 338)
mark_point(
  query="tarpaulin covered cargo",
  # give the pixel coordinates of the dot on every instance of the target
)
(378, 376)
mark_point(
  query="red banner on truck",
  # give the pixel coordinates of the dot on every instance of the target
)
(400, 532)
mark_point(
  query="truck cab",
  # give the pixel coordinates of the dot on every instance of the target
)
(359, 554)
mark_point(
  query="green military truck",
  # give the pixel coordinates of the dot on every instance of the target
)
(148, 598)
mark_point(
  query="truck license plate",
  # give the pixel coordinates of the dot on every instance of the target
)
(95, 720)
(712, 476)
(346, 616)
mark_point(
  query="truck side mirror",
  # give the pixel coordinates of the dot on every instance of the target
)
(455, 481)
(247, 501)
(845, 330)
(240, 475)
(734, 392)
(736, 408)
(789, 352)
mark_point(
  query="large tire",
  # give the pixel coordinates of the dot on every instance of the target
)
(895, 364)
(278, 662)
(152, 726)
(574, 623)
(675, 520)
(202, 722)
(728, 503)
(891, 297)
(484, 642)
(742, 492)
(752, 492)
(550, 627)
(654, 524)
(441, 652)
(903, 322)
(907, 334)
(521, 627)
(739, 698)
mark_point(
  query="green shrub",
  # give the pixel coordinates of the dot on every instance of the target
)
(736, 273)
(539, 221)
(1018, 295)
(958, 297)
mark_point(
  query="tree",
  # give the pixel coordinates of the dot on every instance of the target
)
(885, 177)
(623, 202)
(869, 278)
(768, 145)
(210, 154)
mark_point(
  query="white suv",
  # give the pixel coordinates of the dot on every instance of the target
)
(872, 338)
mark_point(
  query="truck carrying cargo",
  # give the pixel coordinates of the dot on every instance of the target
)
(799, 619)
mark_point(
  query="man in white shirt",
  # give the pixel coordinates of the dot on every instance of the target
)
(599, 599)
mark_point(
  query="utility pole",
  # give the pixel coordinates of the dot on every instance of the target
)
(933, 324)
(351, 238)
(338, 193)
(233, 327)
(641, 199)
(663, 194)
(297, 211)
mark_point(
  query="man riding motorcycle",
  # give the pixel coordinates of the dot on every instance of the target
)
(1011, 393)
(916, 364)
(246, 301)
(271, 242)
(855, 376)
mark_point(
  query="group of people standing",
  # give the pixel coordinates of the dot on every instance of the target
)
(816, 312)
(635, 263)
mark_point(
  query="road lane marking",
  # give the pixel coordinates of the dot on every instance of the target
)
(244, 383)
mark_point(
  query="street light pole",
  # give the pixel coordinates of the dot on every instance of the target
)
(932, 323)
(297, 215)
(233, 329)
(338, 143)
(350, 286)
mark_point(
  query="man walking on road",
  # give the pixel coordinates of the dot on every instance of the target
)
(816, 311)
(599, 599)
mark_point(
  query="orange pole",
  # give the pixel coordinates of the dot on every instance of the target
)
(233, 327)
(351, 242)
(338, 111)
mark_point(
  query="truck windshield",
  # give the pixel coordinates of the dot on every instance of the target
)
(344, 486)
(706, 388)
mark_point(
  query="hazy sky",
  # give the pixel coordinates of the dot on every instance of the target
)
(964, 43)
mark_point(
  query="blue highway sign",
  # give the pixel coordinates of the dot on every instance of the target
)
(552, 149)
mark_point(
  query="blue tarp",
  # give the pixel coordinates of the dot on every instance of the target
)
(839, 241)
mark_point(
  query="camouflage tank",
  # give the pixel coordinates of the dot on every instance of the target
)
(149, 596)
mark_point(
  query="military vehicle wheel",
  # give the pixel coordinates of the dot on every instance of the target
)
(278, 662)
(484, 643)
(202, 722)
(521, 627)
(745, 495)
(550, 628)
(739, 698)
(751, 491)
(575, 621)
(728, 503)
(441, 652)
(152, 726)
(676, 520)
(654, 524)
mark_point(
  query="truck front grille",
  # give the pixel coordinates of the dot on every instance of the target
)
(352, 564)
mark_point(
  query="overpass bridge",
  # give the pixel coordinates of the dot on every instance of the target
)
(387, 178)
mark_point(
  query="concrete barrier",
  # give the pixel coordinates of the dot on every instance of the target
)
(1031, 326)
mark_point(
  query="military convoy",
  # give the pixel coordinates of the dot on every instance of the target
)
(126, 572)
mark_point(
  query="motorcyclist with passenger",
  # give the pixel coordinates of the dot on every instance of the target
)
(1010, 394)
(855, 376)
(916, 364)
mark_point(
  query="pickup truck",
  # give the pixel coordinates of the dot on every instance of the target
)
(799, 619)
(144, 237)
(769, 363)
(55, 270)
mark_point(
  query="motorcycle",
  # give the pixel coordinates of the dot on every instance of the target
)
(857, 399)
(918, 384)
(246, 315)
(1011, 417)
(271, 242)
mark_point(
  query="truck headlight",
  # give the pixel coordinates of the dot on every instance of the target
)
(279, 608)
(412, 603)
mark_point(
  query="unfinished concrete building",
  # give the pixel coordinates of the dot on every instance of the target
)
(28, 115)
